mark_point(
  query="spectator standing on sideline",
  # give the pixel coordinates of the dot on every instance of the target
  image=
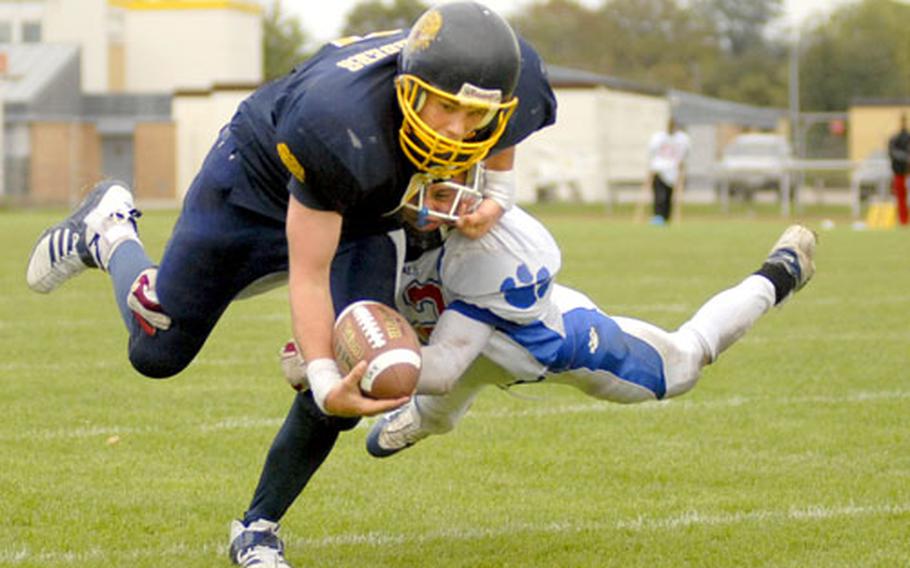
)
(667, 153)
(899, 152)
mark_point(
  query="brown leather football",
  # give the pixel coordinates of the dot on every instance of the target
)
(373, 332)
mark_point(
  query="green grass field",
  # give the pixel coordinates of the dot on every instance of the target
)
(793, 450)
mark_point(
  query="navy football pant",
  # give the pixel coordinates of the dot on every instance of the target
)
(663, 198)
(217, 250)
(307, 435)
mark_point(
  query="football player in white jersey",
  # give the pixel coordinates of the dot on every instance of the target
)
(497, 296)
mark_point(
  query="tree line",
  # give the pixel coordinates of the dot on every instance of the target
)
(737, 50)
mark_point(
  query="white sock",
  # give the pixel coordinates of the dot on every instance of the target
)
(727, 316)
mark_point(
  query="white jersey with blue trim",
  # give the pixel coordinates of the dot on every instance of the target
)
(505, 280)
(494, 272)
(507, 272)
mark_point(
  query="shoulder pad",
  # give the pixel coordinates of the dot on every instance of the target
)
(517, 253)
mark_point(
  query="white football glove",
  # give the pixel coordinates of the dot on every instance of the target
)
(143, 301)
(293, 366)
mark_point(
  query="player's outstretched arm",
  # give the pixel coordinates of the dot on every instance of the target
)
(476, 224)
(499, 194)
(456, 341)
(313, 238)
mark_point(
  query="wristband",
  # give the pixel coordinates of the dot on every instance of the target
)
(499, 185)
(323, 375)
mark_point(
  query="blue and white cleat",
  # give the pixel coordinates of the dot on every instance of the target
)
(257, 545)
(85, 239)
(395, 431)
(794, 251)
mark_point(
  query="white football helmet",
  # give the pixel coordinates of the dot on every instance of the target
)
(432, 198)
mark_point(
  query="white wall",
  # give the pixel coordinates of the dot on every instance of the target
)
(600, 139)
(628, 120)
(199, 118)
(17, 13)
(2, 145)
(168, 50)
(85, 23)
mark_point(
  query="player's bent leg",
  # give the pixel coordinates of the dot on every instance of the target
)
(632, 361)
(160, 345)
(307, 436)
(304, 441)
(728, 315)
(216, 250)
(87, 238)
(256, 545)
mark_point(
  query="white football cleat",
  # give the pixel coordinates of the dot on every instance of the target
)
(85, 239)
(396, 431)
(257, 545)
(794, 251)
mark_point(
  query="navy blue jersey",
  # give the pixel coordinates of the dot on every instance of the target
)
(328, 133)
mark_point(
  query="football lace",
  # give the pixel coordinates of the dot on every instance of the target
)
(370, 327)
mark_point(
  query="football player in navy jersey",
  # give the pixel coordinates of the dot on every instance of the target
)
(302, 186)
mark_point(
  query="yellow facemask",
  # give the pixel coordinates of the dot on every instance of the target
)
(434, 153)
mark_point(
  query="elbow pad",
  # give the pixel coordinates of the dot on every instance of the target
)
(499, 185)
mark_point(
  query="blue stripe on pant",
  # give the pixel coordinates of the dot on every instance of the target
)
(596, 342)
(592, 341)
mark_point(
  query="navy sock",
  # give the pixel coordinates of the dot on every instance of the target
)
(783, 281)
(128, 260)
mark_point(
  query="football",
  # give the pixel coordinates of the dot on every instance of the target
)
(373, 332)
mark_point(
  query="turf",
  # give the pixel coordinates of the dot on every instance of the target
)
(793, 450)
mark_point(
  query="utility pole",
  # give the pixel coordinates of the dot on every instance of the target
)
(795, 134)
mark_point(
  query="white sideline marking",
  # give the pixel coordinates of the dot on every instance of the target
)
(238, 423)
(253, 422)
(241, 423)
(641, 523)
(74, 365)
(688, 405)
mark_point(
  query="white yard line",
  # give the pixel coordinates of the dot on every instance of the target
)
(536, 408)
(82, 366)
(639, 524)
(859, 397)
(642, 523)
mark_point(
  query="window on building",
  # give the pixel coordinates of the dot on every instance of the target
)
(31, 32)
(6, 32)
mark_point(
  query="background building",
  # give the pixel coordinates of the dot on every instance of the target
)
(599, 145)
(872, 123)
(94, 88)
(138, 89)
